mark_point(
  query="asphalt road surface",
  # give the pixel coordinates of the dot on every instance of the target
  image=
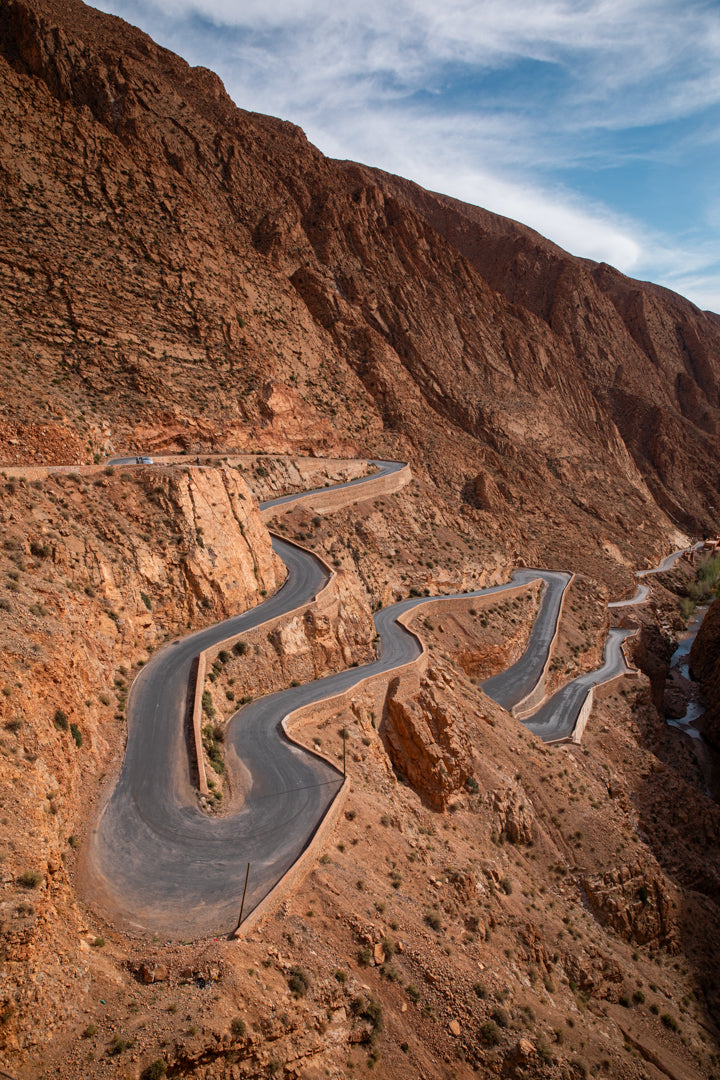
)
(515, 683)
(641, 594)
(155, 861)
(384, 468)
(556, 719)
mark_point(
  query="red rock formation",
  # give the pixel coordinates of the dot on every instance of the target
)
(705, 666)
(176, 269)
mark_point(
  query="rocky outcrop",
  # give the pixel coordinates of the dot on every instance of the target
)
(422, 735)
(229, 558)
(512, 816)
(705, 666)
(635, 902)
(651, 652)
(592, 972)
(289, 302)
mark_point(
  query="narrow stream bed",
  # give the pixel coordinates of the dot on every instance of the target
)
(680, 663)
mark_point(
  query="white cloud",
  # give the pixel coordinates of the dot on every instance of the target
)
(453, 96)
(435, 155)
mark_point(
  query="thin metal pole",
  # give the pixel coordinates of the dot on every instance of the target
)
(242, 903)
(344, 754)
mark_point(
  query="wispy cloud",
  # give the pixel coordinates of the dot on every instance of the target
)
(502, 104)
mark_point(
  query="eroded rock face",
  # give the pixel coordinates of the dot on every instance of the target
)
(595, 973)
(513, 816)
(705, 666)
(225, 566)
(422, 734)
(636, 902)
(651, 651)
(266, 297)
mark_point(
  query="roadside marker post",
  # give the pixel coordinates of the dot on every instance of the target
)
(242, 902)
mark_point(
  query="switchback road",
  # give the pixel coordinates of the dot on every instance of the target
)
(158, 862)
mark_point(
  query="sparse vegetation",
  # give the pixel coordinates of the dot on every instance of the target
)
(30, 879)
(238, 1027)
(298, 981)
(155, 1070)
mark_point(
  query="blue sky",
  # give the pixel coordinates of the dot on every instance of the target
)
(597, 122)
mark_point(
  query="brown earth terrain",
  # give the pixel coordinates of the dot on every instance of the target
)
(180, 277)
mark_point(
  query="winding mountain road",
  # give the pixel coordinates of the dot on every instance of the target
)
(157, 862)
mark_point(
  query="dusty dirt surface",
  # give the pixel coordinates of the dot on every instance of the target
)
(181, 277)
(486, 902)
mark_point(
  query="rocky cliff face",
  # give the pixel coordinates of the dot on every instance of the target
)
(179, 273)
(705, 666)
(648, 357)
(98, 572)
(176, 274)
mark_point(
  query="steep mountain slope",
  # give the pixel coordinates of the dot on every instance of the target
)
(176, 274)
(650, 357)
(180, 273)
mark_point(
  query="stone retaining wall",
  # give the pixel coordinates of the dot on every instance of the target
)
(207, 656)
(325, 501)
(537, 695)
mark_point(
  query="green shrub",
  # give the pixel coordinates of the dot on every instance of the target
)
(669, 1022)
(238, 1027)
(146, 600)
(155, 1070)
(60, 720)
(432, 918)
(76, 734)
(298, 981)
(30, 879)
(207, 704)
(501, 1017)
(368, 1009)
(490, 1033)
(118, 1045)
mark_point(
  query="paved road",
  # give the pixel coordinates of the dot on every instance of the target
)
(515, 683)
(557, 717)
(384, 468)
(669, 561)
(155, 861)
(641, 594)
(138, 460)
